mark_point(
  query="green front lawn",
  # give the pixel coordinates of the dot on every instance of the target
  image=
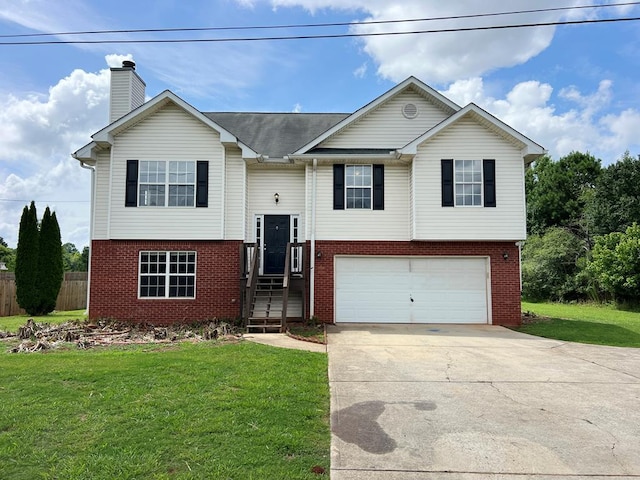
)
(11, 324)
(584, 323)
(172, 411)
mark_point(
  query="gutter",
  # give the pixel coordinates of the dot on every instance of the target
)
(93, 192)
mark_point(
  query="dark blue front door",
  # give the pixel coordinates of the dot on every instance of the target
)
(276, 237)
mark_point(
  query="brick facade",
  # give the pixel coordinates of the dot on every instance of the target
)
(114, 282)
(114, 278)
(505, 274)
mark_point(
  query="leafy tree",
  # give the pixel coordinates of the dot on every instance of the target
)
(7, 255)
(615, 204)
(557, 192)
(27, 257)
(550, 263)
(84, 260)
(50, 267)
(74, 261)
(615, 264)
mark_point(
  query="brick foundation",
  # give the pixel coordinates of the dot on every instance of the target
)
(114, 283)
(505, 275)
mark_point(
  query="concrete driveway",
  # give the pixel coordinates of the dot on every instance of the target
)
(479, 402)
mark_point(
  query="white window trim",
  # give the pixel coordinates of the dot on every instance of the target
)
(347, 187)
(167, 274)
(455, 184)
(167, 184)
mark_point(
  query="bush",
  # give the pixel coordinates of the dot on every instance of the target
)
(615, 264)
(550, 263)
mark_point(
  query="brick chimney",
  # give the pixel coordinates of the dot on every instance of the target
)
(127, 90)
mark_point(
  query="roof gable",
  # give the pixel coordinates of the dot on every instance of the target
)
(155, 104)
(410, 84)
(530, 149)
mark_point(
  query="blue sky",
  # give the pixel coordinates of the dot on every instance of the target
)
(567, 87)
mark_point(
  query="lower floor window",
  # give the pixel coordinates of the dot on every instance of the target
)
(167, 274)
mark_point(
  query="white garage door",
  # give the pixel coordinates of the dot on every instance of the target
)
(411, 290)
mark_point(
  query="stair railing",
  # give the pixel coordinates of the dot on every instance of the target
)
(252, 254)
(285, 287)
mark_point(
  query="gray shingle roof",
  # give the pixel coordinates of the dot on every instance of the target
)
(276, 134)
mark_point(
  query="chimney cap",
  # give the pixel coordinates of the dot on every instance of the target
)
(129, 64)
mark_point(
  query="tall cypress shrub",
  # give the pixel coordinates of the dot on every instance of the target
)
(50, 265)
(27, 258)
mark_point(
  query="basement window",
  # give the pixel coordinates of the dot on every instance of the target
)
(167, 275)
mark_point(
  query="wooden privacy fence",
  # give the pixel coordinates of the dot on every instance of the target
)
(72, 296)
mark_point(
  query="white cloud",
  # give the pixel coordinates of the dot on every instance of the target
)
(297, 108)
(445, 57)
(115, 61)
(39, 133)
(528, 107)
(361, 71)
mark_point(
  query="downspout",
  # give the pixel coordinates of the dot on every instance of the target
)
(519, 245)
(312, 263)
(93, 182)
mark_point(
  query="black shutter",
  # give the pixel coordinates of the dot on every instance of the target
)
(338, 186)
(202, 184)
(131, 187)
(447, 183)
(378, 187)
(489, 179)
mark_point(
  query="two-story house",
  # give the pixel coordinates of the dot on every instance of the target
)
(409, 210)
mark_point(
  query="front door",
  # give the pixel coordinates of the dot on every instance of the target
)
(276, 237)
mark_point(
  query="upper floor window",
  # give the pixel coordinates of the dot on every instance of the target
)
(468, 175)
(152, 183)
(358, 185)
(468, 183)
(167, 183)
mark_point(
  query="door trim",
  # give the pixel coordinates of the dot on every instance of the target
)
(295, 232)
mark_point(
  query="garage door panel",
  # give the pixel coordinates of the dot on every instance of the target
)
(411, 290)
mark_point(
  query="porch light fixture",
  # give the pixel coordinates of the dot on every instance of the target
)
(276, 198)
(505, 255)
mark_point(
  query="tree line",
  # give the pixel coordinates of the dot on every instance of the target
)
(73, 260)
(583, 223)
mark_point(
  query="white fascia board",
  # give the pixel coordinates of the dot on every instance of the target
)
(411, 81)
(344, 158)
(87, 153)
(106, 134)
(530, 147)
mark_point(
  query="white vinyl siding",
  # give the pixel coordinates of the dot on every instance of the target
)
(235, 201)
(101, 203)
(264, 182)
(392, 223)
(387, 127)
(173, 135)
(126, 93)
(467, 139)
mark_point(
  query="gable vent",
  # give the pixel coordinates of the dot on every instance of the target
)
(410, 110)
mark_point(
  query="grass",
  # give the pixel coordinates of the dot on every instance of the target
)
(184, 411)
(11, 324)
(584, 323)
(314, 333)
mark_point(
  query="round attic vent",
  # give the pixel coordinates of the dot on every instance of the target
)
(410, 110)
